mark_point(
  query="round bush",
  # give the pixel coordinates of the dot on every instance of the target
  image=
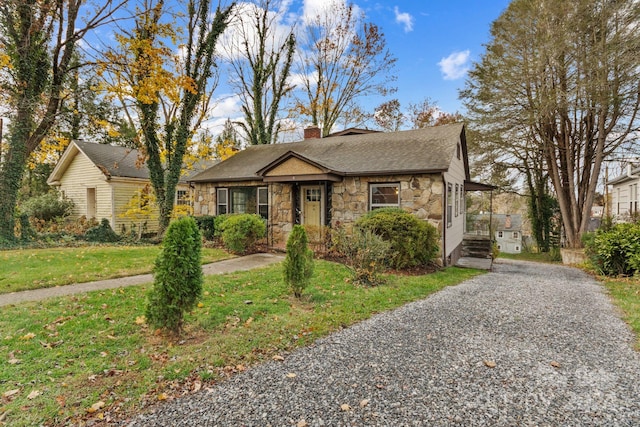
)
(102, 233)
(413, 242)
(241, 232)
(616, 251)
(47, 206)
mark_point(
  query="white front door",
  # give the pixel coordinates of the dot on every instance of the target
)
(312, 212)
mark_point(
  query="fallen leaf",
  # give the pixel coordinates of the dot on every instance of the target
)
(291, 375)
(555, 364)
(141, 320)
(95, 407)
(345, 407)
(62, 401)
(28, 336)
(302, 423)
(364, 402)
(200, 305)
(11, 392)
(278, 358)
(197, 386)
(34, 394)
(489, 363)
(162, 396)
(248, 322)
(14, 361)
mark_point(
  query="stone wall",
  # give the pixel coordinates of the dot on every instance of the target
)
(420, 195)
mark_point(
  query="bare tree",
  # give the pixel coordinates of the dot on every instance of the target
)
(342, 58)
(566, 75)
(260, 53)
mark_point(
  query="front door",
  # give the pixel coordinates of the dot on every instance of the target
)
(312, 210)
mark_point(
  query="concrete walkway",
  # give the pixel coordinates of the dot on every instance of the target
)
(226, 266)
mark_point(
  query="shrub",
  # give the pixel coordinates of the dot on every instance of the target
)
(298, 264)
(27, 233)
(615, 252)
(102, 233)
(177, 283)
(241, 232)
(413, 242)
(217, 224)
(364, 252)
(47, 206)
(207, 225)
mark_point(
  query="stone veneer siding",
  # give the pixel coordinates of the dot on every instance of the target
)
(419, 194)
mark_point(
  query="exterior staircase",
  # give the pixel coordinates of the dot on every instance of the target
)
(476, 252)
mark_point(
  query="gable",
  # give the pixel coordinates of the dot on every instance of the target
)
(294, 166)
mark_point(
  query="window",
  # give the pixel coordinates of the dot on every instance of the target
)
(458, 150)
(500, 234)
(449, 204)
(515, 234)
(462, 203)
(222, 197)
(517, 248)
(251, 200)
(457, 200)
(182, 198)
(384, 195)
(263, 202)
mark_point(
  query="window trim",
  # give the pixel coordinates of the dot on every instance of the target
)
(500, 235)
(228, 205)
(457, 199)
(373, 206)
(449, 197)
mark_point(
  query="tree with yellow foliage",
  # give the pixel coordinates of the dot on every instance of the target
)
(170, 91)
(38, 40)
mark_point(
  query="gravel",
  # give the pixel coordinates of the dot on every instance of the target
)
(527, 344)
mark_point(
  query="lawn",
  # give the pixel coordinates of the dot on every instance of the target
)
(87, 357)
(626, 295)
(43, 268)
(545, 257)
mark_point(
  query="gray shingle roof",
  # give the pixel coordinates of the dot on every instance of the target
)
(114, 160)
(421, 150)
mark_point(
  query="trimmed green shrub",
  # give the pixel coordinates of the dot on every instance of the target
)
(364, 252)
(207, 225)
(298, 264)
(241, 232)
(217, 224)
(413, 242)
(102, 233)
(615, 252)
(47, 206)
(177, 283)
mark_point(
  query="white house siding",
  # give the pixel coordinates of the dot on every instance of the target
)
(81, 175)
(123, 191)
(625, 198)
(453, 234)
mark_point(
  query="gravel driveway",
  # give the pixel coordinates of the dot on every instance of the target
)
(526, 345)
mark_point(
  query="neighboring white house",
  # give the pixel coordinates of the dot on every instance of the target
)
(508, 232)
(624, 195)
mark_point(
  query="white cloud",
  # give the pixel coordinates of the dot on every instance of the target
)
(404, 18)
(455, 66)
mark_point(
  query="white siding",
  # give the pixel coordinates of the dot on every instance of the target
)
(454, 233)
(83, 174)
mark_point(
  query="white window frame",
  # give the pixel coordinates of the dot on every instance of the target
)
(500, 235)
(261, 202)
(449, 197)
(373, 185)
(224, 191)
(515, 234)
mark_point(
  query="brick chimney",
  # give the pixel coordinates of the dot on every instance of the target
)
(507, 221)
(312, 132)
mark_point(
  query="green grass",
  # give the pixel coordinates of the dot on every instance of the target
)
(25, 269)
(62, 356)
(626, 295)
(530, 256)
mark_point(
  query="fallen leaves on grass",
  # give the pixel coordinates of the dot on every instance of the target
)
(34, 394)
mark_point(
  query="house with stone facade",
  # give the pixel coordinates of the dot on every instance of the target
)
(333, 181)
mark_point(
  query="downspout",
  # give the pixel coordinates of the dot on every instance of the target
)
(444, 220)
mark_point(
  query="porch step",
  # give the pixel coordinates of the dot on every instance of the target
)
(476, 247)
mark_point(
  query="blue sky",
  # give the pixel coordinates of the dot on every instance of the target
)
(435, 42)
